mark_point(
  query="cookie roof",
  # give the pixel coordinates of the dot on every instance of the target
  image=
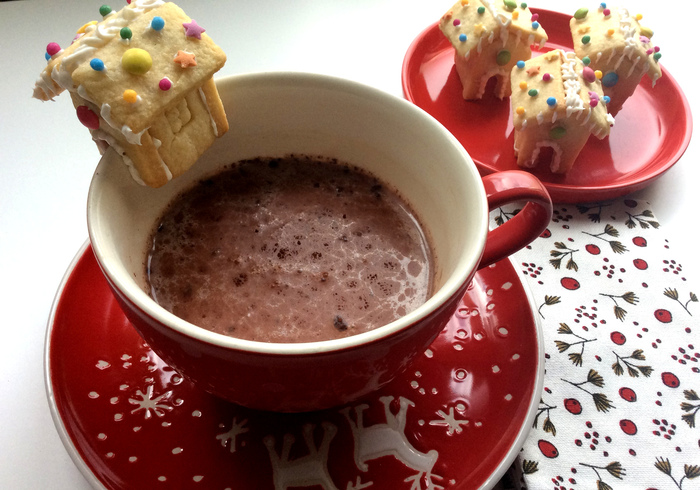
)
(469, 22)
(133, 64)
(557, 86)
(608, 35)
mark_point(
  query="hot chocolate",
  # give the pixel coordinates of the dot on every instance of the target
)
(297, 249)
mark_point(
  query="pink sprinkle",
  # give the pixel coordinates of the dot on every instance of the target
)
(456, 22)
(546, 77)
(643, 39)
(588, 74)
(52, 48)
(165, 84)
(657, 49)
(594, 102)
(534, 17)
(649, 51)
(606, 12)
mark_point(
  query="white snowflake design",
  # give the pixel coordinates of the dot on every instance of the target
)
(150, 405)
(448, 420)
(236, 430)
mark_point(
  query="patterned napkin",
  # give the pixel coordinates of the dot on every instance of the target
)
(621, 403)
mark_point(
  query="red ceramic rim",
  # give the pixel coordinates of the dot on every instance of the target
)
(651, 132)
(460, 413)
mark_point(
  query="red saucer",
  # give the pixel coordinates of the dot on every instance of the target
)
(651, 132)
(455, 420)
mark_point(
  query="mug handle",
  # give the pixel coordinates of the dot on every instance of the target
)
(511, 186)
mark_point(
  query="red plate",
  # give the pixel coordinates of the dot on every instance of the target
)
(650, 134)
(456, 419)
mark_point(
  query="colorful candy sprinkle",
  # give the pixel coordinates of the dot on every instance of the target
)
(510, 4)
(165, 84)
(643, 39)
(136, 61)
(157, 23)
(464, 3)
(657, 56)
(130, 96)
(520, 110)
(606, 99)
(586, 39)
(185, 59)
(52, 48)
(557, 133)
(192, 29)
(520, 64)
(588, 74)
(586, 60)
(523, 85)
(603, 5)
(125, 33)
(610, 79)
(463, 38)
(594, 99)
(97, 64)
(456, 22)
(581, 13)
(515, 15)
(47, 56)
(551, 101)
(639, 17)
(534, 17)
(546, 77)
(105, 10)
(606, 12)
(87, 117)
(523, 5)
(533, 92)
(503, 57)
(611, 32)
(481, 10)
(646, 32)
(535, 25)
(85, 26)
(598, 74)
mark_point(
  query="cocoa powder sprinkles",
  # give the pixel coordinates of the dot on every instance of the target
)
(294, 249)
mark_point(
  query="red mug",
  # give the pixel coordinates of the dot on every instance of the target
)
(276, 114)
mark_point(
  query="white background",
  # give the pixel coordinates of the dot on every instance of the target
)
(47, 159)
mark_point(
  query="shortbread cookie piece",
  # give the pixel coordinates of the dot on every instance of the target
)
(141, 81)
(489, 37)
(557, 104)
(613, 42)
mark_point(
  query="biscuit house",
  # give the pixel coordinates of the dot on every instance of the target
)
(557, 104)
(141, 81)
(488, 37)
(612, 41)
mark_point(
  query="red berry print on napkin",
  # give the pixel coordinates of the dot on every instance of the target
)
(570, 283)
(628, 394)
(640, 241)
(573, 406)
(664, 316)
(548, 449)
(628, 427)
(670, 380)
(593, 249)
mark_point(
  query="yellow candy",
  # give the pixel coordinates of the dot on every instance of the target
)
(515, 15)
(464, 3)
(520, 110)
(84, 28)
(130, 96)
(639, 17)
(611, 32)
(645, 31)
(598, 74)
(136, 61)
(523, 85)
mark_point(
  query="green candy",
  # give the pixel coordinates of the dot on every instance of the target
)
(523, 5)
(657, 56)
(481, 10)
(581, 13)
(586, 60)
(586, 39)
(125, 33)
(557, 133)
(503, 58)
(105, 10)
(532, 92)
(510, 4)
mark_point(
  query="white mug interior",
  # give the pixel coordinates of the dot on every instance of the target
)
(276, 114)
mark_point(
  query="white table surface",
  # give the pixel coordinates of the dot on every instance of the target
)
(47, 159)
